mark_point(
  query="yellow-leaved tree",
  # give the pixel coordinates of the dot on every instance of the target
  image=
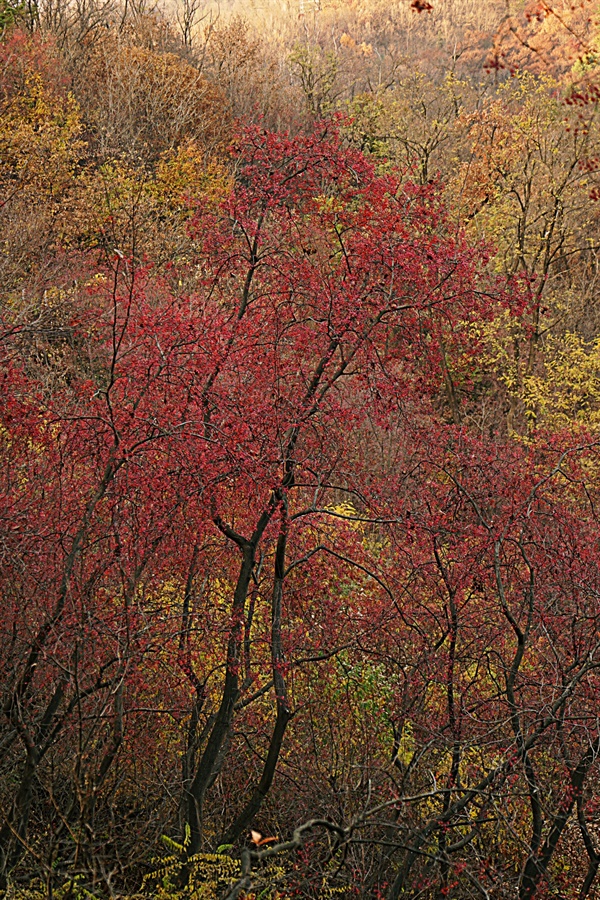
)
(41, 148)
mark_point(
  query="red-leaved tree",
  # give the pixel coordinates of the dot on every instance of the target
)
(205, 497)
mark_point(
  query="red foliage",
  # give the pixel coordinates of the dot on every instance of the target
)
(274, 436)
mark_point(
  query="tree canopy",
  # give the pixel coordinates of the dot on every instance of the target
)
(299, 478)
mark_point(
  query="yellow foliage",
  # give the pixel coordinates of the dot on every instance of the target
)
(39, 139)
(209, 876)
(145, 213)
(561, 391)
(567, 392)
(406, 744)
(184, 174)
(346, 509)
(519, 180)
(501, 340)
(40, 151)
(418, 126)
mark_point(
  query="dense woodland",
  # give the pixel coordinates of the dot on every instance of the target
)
(300, 432)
